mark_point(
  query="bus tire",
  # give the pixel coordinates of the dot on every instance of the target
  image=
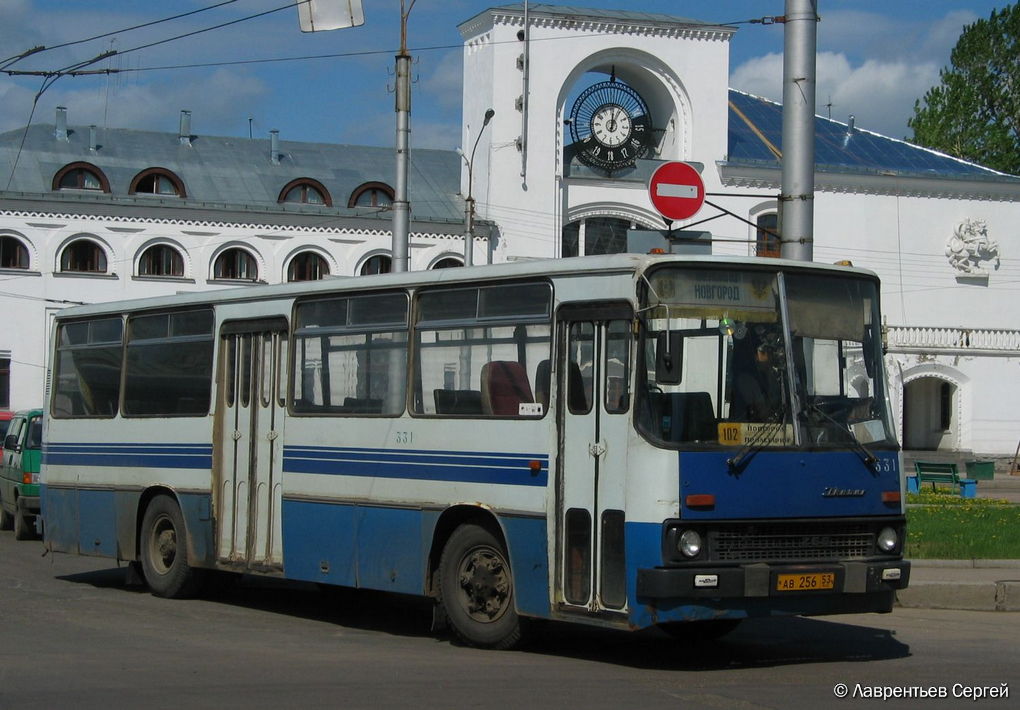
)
(164, 551)
(476, 589)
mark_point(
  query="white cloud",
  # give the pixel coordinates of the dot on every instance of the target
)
(218, 100)
(443, 85)
(880, 94)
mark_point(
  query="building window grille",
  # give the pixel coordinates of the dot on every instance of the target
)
(157, 181)
(81, 176)
(305, 191)
(372, 194)
(13, 254)
(83, 256)
(161, 260)
(236, 264)
(767, 235)
(307, 266)
(378, 264)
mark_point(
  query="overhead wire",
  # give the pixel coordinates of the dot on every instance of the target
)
(4, 63)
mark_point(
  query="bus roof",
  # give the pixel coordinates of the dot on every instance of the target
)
(570, 266)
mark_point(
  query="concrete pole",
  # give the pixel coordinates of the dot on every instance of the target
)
(798, 184)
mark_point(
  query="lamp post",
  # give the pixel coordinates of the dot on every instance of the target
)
(469, 202)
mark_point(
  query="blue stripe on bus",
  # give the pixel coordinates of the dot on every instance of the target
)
(187, 456)
(460, 467)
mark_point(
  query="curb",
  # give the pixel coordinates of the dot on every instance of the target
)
(967, 564)
(998, 591)
(966, 596)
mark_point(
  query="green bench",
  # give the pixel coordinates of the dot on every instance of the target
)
(937, 472)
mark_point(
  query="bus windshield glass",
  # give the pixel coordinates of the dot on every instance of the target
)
(746, 357)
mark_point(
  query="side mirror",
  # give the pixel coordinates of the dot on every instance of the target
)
(11, 442)
(669, 358)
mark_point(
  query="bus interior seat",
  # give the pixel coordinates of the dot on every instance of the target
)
(505, 386)
(458, 401)
(362, 405)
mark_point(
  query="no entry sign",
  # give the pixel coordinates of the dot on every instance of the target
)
(676, 190)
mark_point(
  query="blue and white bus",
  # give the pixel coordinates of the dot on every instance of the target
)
(624, 441)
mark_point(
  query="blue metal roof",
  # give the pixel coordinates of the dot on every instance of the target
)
(837, 147)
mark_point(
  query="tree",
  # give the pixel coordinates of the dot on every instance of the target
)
(974, 113)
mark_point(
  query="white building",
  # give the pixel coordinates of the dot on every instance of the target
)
(939, 231)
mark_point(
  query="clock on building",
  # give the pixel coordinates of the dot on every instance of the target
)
(610, 126)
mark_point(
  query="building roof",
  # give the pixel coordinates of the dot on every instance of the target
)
(756, 136)
(233, 172)
(587, 15)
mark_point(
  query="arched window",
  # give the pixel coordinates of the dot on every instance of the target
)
(602, 235)
(161, 260)
(157, 181)
(236, 264)
(371, 194)
(83, 256)
(305, 191)
(13, 254)
(448, 262)
(378, 264)
(766, 241)
(307, 266)
(81, 176)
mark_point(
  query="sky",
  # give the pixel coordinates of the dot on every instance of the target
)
(875, 58)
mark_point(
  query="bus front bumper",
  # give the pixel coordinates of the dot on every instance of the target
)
(772, 580)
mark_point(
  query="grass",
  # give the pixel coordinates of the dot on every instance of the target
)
(946, 526)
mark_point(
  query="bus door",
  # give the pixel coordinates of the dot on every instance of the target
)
(249, 443)
(594, 366)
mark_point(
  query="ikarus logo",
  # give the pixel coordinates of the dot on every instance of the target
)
(833, 492)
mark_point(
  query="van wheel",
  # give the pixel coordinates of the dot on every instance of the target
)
(6, 519)
(164, 551)
(24, 529)
(476, 589)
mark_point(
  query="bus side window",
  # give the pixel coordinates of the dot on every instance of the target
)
(617, 366)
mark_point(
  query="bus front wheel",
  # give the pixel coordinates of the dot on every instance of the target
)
(476, 589)
(164, 550)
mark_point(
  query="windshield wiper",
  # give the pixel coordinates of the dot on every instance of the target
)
(863, 451)
(758, 441)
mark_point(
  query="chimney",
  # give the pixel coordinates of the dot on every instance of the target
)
(850, 125)
(92, 138)
(61, 131)
(185, 132)
(274, 146)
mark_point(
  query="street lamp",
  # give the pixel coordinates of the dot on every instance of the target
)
(469, 202)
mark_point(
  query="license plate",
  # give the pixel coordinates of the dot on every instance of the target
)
(805, 582)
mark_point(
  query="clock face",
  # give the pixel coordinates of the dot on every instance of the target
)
(610, 125)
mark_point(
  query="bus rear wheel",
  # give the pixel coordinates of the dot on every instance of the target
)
(476, 589)
(164, 551)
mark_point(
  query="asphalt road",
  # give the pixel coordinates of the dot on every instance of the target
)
(72, 635)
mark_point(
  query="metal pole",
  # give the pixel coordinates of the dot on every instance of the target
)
(401, 206)
(798, 184)
(469, 201)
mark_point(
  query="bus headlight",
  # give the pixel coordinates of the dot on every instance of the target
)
(888, 540)
(689, 543)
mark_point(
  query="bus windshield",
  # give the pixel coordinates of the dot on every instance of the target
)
(744, 357)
